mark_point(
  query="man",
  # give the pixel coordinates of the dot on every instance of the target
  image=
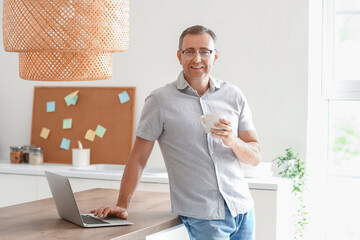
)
(207, 183)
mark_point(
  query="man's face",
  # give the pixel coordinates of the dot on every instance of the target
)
(197, 67)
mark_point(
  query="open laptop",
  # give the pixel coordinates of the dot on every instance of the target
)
(68, 209)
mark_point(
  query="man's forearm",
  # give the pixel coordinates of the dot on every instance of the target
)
(246, 152)
(133, 171)
(129, 182)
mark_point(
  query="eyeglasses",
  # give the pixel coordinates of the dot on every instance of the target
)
(190, 54)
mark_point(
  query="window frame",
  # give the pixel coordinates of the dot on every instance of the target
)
(335, 89)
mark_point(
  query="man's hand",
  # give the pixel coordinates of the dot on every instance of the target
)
(225, 132)
(111, 211)
(246, 146)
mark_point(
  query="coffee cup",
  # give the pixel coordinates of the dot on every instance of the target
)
(80, 157)
(208, 120)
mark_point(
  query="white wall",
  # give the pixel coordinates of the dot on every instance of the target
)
(263, 50)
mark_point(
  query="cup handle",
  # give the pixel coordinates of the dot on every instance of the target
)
(203, 121)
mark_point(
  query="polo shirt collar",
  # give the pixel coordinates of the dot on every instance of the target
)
(182, 83)
(215, 83)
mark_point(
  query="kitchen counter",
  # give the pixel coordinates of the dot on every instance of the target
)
(266, 183)
(150, 212)
(69, 171)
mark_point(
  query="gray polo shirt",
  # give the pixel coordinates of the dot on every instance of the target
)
(203, 172)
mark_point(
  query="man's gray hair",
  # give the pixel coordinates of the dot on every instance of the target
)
(197, 29)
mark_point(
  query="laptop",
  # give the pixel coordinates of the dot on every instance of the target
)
(68, 209)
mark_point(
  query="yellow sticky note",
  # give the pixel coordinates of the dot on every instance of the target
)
(73, 94)
(90, 135)
(44, 133)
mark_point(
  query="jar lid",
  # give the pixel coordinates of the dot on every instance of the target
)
(27, 147)
(17, 148)
(36, 149)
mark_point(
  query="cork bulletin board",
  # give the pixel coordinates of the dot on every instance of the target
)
(94, 106)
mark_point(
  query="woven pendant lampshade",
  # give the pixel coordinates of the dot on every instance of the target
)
(67, 40)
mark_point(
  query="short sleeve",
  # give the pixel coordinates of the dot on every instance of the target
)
(151, 120)
(245, 118)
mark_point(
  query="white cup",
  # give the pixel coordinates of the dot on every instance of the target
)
(207, 121)
(80, 157)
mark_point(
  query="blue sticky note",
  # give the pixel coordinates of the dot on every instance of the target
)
(65, 144)
(124, 97)
(50, 106)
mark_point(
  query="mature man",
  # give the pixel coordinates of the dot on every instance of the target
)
(207, 183)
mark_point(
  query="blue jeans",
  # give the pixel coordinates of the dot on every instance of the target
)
(241, 227)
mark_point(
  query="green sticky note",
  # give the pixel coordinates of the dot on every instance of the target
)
(100, 131)
(67, 123)
(74, 99)
(65, 144)
(71, 99)
(68, 100)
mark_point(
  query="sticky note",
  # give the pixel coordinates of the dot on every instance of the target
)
(90, 135)
(65, 144)
(124, 97)
(68, 100)
(50, 106)
(44, 133)
(100, 131)
(71, 101)
(73, 94)
(71, 98)
(67, 123)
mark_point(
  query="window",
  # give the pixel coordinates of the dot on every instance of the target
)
(341, 88)
(343, 170)
(344, 138)
(347, 40)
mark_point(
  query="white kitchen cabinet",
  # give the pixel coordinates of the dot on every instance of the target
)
(175, 233)
(273, 213)
(16, 189)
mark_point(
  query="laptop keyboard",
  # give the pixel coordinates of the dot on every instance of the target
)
(92, 220)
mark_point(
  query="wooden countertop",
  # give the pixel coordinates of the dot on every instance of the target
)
(149, 211)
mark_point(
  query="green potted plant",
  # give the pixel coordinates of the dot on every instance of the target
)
(291, 167)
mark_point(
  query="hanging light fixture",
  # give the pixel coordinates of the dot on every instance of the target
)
(67, 40)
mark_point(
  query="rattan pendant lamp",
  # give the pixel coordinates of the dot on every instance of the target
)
(65, 40)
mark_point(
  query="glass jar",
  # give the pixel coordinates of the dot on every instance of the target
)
(36, 155)
(26, 151)
(16, 154)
